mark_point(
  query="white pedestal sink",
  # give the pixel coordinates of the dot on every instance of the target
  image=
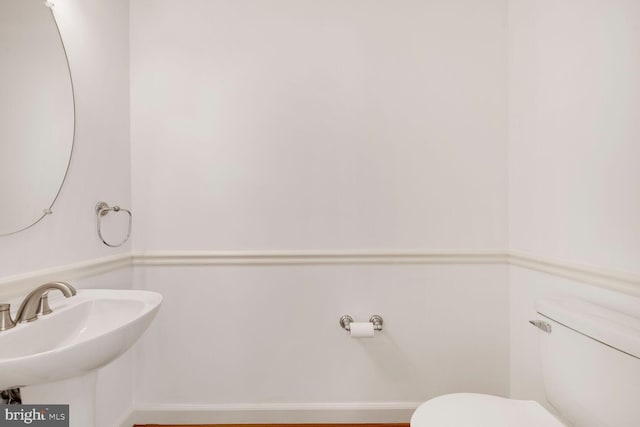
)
(55, 359)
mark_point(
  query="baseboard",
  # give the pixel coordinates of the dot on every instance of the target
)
(300, 413)
(127, 420)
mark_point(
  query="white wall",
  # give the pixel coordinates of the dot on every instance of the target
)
(574, 183)
(574, 104)
(270, 334)
(319, 125)
(305, 125)
(96, 38)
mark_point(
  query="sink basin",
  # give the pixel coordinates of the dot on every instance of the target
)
(84, 333)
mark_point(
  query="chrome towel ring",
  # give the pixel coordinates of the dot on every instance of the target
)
(101, 210)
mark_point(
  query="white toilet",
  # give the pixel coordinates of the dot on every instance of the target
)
(591, 362)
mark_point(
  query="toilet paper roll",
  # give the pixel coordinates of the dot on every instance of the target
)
(361, 329)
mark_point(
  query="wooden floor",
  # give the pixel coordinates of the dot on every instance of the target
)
(276, 425)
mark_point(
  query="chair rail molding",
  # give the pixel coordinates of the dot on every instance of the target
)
(624, 282)
(619, 281)
(628, 283)
(11, 286)
(315, 257)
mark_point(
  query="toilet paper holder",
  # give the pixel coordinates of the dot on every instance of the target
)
(345, 322)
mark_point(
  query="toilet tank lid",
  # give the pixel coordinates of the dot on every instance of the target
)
(615, 329)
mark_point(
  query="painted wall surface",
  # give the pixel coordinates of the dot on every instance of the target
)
(319, 125)
(96, 38)
(96, 35)
(574, 182)
(574, 105)
(270, 334)
(305, 125)
(311, 126)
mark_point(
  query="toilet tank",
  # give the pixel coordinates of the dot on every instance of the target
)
(591, 363)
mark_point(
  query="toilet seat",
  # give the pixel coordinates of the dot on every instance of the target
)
(481, 410)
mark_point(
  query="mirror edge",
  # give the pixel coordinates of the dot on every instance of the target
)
(48, 211)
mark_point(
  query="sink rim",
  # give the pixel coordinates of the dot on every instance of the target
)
(87, 296)
(118, 338)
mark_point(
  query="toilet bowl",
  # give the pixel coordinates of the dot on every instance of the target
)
(591, 366)
(481, 410)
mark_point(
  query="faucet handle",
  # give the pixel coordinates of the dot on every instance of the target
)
(43, 305)
(5, 317)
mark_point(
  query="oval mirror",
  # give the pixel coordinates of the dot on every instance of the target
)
(37, 115)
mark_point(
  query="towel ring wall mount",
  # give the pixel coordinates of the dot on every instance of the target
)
(102, 209)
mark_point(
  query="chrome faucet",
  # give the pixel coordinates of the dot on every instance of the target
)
(37, 302)
(5, 317)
